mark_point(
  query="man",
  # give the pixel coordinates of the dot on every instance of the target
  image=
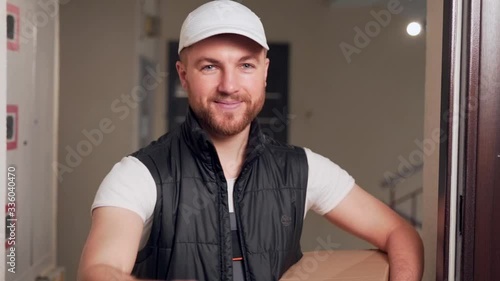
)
(215, 199)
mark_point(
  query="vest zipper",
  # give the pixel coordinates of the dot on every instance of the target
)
(236, 212)
(221, 230)
(240, 229)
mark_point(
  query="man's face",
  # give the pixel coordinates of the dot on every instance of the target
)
(225, 78)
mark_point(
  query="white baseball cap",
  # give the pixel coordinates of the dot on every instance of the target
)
(219, 17)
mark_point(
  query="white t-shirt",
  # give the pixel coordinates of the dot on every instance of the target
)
(130, 185)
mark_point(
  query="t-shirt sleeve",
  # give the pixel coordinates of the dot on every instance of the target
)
(327, 183)
(128, 185)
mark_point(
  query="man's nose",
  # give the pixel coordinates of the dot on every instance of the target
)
(228, 83)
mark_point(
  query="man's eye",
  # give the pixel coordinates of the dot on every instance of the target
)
(247, 65)
(208, 67)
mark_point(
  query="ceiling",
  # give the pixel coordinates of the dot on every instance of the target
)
(415, 9)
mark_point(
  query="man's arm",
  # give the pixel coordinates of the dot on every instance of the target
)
(111, 248)
(366, 217)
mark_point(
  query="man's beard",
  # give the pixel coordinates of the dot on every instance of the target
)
(227, 124)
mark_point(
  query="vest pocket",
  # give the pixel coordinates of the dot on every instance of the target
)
(152, 263)
(163, 263)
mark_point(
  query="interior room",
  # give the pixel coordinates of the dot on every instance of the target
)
(91, 82)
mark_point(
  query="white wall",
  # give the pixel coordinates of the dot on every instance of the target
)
(3, 95)
(98, 66)
(364, 115)
(31, 86)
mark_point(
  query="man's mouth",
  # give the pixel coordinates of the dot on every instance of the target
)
(230, 104)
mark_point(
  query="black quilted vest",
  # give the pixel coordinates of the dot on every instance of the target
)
(191, 236)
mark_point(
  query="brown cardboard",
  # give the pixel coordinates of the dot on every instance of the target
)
(357, 265)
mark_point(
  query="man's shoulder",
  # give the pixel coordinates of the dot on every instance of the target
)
(276, 144)
(162, 143)
(283, 150)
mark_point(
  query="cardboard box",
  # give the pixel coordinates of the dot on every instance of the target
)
(357, 265)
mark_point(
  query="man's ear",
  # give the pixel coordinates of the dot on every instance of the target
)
(181, 71)
(266, 69)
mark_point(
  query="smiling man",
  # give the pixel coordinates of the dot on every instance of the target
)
(216, 199)
(225, 77)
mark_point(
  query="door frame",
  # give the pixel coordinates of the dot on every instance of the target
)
(450, 128)
(467, 163)
(480, 249)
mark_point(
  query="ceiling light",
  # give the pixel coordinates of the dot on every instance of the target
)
(414, 28)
